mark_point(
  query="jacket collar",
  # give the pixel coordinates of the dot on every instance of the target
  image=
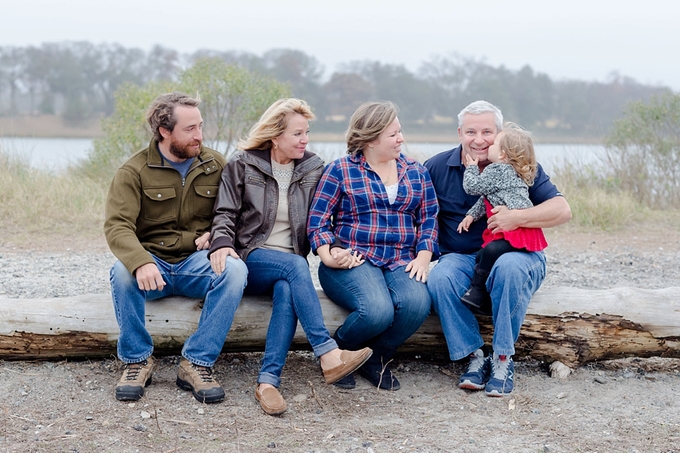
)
(262, 159)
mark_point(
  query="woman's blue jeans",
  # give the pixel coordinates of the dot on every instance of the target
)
(514, 278)
(386, 306)
(286, 277)
(194, 278)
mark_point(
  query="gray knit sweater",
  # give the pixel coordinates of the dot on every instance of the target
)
(498, 183)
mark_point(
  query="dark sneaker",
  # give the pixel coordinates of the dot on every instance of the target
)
(478, 301)
(200, 381)
(477, 373)
(135, 377)
(347, 383)
(380, 376)
(502, 376)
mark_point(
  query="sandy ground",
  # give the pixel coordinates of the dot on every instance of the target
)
(628, 405)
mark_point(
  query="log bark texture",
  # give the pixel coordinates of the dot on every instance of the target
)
(571, 325)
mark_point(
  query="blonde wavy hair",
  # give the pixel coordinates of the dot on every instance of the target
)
(273, 123)
(368, 122)
(518, 146)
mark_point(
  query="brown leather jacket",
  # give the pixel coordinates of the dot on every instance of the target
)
(248, 197)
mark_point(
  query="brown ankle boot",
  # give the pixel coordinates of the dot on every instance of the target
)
(200, 381)
(136, 376)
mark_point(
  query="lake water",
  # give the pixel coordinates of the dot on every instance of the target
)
(55, 154)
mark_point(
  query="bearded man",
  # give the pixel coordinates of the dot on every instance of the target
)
(158, 220)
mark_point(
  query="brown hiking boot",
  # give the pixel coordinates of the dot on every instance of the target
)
(135, 377)
(200, 381)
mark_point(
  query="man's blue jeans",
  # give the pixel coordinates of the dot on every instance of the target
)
(514, 278)
(386, 306)
(192, 277)
(286, 277)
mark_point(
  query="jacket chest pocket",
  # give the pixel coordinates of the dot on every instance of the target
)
(204, 200)
(159, 204)
(254, 178)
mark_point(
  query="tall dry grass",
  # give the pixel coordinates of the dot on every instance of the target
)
(39, 203)
(598, 202)
(50, 206)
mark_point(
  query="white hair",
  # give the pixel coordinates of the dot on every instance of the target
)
(480, 107)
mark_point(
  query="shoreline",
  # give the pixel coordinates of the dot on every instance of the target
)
(53, 126)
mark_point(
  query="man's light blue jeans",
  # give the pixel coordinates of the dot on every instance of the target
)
(386, 306)
(194, 278)
(514, 278)
(286, 277)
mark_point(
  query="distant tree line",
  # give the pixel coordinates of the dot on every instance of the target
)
(78, 80)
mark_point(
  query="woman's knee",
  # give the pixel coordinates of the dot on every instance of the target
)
(299, 266)
(378, 313)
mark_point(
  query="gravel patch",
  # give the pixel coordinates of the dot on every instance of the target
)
(595, 261)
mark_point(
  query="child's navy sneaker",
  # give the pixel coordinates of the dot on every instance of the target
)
(477, 373)
(502, 376)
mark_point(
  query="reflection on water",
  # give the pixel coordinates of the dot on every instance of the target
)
(58, 153)
(52, 154)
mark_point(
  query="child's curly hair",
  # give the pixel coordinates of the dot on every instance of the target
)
(518, 146)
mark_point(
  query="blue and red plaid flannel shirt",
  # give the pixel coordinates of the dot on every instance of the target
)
(351, 205)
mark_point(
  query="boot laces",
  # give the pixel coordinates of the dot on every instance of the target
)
(133, 370)
(204, 372)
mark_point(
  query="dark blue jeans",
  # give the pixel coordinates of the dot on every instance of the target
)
(286, 277)
(386, 306)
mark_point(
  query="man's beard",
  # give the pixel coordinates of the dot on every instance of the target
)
(183, 151)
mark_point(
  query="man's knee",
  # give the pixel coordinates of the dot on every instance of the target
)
(236, 269)
(120, 277)
(518, 266)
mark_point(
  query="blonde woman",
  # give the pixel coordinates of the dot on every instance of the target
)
(260, 217)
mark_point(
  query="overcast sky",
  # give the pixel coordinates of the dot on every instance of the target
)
(574, 39)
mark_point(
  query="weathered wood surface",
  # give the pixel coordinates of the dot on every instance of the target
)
(571, 325)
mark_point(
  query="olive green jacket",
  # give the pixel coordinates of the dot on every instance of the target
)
(150, 209)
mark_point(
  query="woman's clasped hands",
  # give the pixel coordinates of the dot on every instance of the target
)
(346, 258)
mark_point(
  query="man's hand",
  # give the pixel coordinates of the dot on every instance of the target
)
(203, 242)
(550, 213)
(218, 259)
(504, 219)
(149, 277)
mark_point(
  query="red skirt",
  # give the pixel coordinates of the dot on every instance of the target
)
(531, 239)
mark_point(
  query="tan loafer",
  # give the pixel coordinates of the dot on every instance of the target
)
(271, 400)
(351, 361)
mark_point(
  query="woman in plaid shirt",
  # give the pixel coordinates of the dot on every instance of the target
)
(373, 223)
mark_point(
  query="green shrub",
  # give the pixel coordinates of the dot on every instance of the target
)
(232, 100)
(643, 152)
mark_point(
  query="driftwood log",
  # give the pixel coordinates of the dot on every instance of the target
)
(569, 325)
